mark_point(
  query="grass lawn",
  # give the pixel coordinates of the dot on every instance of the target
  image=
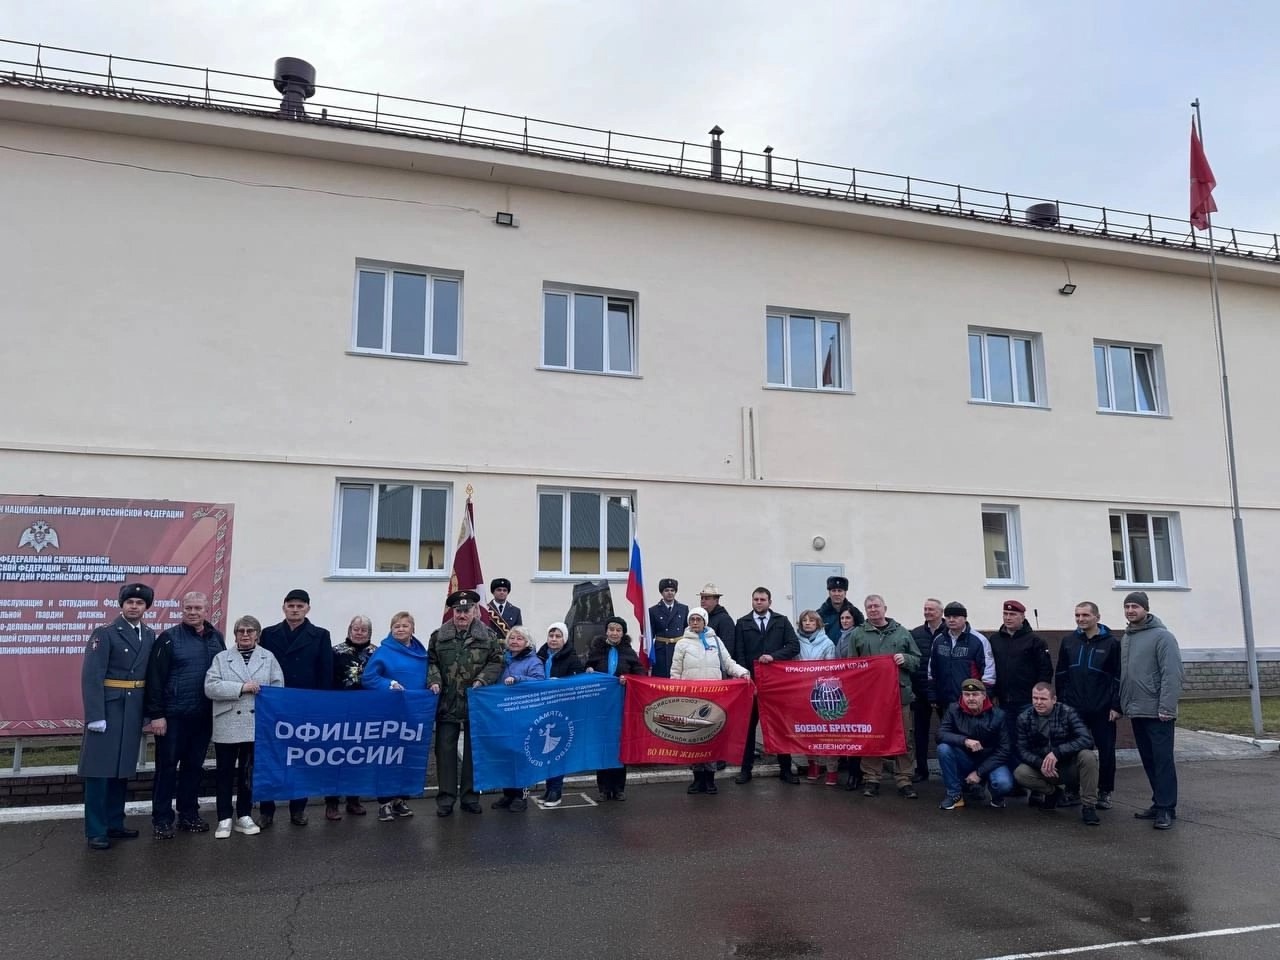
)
(57, 754)
(1229, 716)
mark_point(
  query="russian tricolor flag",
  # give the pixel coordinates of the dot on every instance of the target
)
(635, 595)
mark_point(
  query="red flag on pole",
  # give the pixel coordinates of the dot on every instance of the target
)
(1202, 183)
(466, 573)
(635, 595)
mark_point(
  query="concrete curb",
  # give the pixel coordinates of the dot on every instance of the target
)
(1264, 745)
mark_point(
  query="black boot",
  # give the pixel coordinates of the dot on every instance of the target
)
(709, 778)
(699, 785)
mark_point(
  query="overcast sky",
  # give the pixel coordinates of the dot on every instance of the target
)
(1085, 101)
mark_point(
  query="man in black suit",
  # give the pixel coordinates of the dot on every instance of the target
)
(667, 620)
(763, 636)
(305, 654)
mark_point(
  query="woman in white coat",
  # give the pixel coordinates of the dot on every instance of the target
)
(233, 680)
(701, 655)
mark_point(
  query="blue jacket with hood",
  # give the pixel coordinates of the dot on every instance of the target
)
(393, 660)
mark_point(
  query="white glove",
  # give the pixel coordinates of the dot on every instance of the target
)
(98, 726)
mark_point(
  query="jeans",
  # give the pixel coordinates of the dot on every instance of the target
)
(180, 757)
(957, 763)
(921, 717)
(555, 784)
(235, 769)
(1154, 739)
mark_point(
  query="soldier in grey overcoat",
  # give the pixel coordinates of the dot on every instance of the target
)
(112, 683)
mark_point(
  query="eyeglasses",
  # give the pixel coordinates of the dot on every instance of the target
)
(246, 630)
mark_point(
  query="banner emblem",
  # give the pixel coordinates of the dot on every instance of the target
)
(548, 739)
(828, 699)
(684, 719)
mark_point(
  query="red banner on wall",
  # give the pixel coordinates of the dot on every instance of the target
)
(831, 707)
(684, 721)
(62, 563)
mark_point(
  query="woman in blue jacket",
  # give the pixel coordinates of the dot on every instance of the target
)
(519, 665)
(400, 663)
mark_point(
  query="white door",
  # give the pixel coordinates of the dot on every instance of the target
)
(809, 585)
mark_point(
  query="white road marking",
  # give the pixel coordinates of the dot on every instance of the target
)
(1150, 941)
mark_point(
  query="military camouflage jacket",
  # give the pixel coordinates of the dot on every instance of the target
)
(456, 661)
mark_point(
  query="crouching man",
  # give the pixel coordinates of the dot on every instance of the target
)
(1056, 750)
(973, 748)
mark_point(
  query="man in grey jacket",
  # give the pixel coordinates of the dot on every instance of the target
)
(1150, 684)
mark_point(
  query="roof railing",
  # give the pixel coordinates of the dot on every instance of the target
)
(94, 74)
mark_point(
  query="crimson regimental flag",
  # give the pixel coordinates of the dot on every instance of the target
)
(466, 573)
(1202, 183)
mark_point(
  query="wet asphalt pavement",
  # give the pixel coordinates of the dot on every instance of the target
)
(767, 871)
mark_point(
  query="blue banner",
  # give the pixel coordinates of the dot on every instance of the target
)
(312, 743)
(527, 732)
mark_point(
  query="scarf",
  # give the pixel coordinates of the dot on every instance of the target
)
(986, 705)
(613, 660)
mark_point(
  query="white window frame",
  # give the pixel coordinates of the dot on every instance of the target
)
(368, 571)
(1175, 548)
(610, 297)
(787, 315)
(1036, 342)
(565, 533)
(1156, 362)
(388, 270)
(1013, 531)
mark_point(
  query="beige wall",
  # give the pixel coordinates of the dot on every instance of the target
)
(198, 318)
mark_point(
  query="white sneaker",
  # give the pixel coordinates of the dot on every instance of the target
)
(223, 831)
(244, 825)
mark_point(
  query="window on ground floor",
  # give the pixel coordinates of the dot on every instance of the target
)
(391, 528)
(1145, 548)
(584, 532)
(1001, 545)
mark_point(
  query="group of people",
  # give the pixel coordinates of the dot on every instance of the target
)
(1010, 721)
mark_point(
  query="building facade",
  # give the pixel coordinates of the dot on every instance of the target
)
(327, 327)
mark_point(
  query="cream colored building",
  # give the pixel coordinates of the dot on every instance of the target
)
(325, 326)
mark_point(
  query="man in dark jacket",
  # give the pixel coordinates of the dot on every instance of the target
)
(974, 748)
(112, 682)
(957, 655)
(1054, 749)
(667, 620)
(1088, 678)
(305, 654)
(922, 708)
(462, 654)
(1022, 661)
(718, 618)
(762, 636)
(837, 602)
(181, 716)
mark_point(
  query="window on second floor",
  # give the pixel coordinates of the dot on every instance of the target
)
(588, 332)
(405, 312)
(805, 351)
(1128, 378)
(1005, 367)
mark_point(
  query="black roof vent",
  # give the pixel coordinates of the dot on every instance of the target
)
(296, 79)
(1043, 214)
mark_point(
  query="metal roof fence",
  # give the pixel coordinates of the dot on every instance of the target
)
(147, 81)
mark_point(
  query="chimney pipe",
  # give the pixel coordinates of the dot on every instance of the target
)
(715, 151)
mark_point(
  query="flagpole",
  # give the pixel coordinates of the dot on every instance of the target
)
(1237, 521)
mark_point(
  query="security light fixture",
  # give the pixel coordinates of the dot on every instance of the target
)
(505, 219)
(1067, 289)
